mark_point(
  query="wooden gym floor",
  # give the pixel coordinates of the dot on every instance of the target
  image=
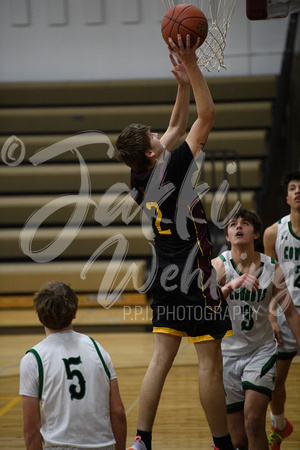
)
(180, 422)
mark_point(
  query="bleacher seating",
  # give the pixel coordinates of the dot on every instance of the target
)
(41, 115)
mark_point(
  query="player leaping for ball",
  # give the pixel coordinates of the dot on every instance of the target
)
(162, 186)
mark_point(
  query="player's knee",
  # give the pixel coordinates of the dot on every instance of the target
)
(253, 423)
(214, 369)
(162, 361)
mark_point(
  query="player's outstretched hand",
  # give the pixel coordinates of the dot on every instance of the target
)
(179, 71)
(186, 54)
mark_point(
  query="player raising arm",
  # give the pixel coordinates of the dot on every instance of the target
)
(161, 180)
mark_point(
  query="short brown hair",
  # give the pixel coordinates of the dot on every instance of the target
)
(56, 305)
(132, 145)
(287, 178)
(251, 217)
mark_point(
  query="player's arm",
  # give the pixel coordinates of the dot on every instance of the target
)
(282, 296)
(179, 117)
(117, 416)
(276, 327)
(206, 112)
(269, 240)
(32, 423)
(246, 280)
(218, 265)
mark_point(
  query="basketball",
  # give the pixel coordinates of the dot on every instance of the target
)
(184, 19)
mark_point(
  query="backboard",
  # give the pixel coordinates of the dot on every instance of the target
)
(271, 9)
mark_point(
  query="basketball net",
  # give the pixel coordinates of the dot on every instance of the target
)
(219, 14)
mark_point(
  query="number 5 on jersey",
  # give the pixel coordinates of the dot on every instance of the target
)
(75, 373)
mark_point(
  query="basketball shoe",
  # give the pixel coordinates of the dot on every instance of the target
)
(276, 436)
(138, 444)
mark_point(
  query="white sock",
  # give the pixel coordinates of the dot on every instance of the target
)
(278, 422)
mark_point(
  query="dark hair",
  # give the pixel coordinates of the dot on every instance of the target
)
(287, 177)
(251, 217)
(132, 145)
(56, 305)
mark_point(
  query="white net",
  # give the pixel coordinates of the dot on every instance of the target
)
(219, 15)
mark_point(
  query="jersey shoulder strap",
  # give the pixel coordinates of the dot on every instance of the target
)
(41, 370)
(101, 357)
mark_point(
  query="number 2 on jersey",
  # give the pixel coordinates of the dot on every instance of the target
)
(150, 205)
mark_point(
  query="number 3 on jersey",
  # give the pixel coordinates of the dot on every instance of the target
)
(75, 373)
(150, 205)
(248, 322)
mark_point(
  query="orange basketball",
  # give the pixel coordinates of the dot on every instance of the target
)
(184, 19)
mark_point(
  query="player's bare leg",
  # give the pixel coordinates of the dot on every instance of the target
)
(165, 349)
(281, 428)
(255, 411)
(236, 426)
(279, 393)
(211, 389)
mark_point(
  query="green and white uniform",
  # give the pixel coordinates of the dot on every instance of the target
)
(71, 374)
(287, 248)
(249, 356)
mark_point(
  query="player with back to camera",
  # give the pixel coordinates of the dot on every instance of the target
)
(282, 242)
(72, 377)
(161, 185)
(250, 281)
